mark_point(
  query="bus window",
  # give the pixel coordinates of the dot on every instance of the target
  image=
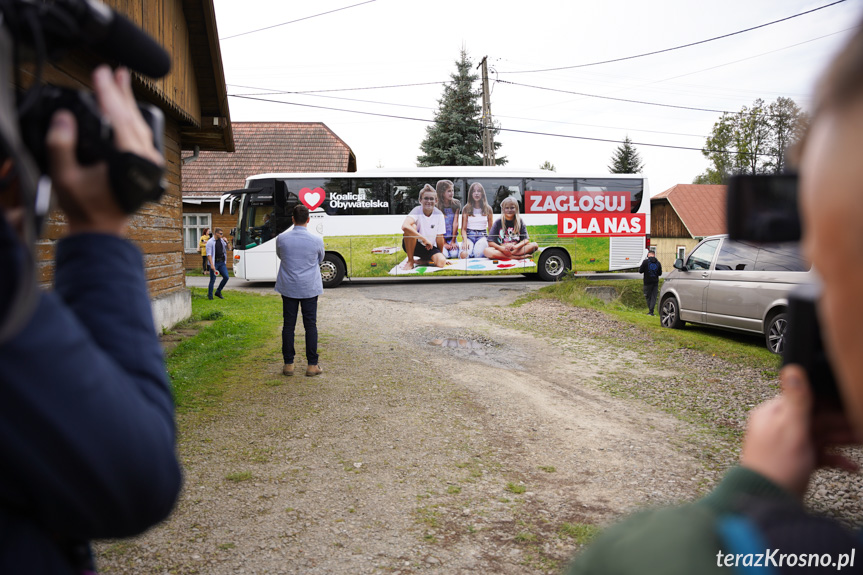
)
(334, 189)
(634, 187)
(370, 197)
(498, 189)
(549, 185)
(405, 193)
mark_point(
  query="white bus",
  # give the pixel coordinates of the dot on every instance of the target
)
(578, 221)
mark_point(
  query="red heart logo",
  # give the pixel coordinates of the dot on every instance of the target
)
(312, 198)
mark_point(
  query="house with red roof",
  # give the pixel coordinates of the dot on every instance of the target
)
(260, 147)
(681, 216)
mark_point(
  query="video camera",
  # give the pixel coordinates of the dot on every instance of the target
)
(763, 209)
(42, 31)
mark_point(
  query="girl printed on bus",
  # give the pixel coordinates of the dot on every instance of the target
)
(476, 220)
(202, 245)
(451, 209)
(508, 237)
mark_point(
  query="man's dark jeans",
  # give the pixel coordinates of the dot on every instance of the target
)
(650, 291)
(310, 323)
(223, 271)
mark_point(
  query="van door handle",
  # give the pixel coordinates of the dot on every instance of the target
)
(705, 274)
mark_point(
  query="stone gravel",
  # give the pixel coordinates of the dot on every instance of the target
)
(459, 439)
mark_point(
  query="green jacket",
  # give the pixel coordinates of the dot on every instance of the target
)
(680, 540)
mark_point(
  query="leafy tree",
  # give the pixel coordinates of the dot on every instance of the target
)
(625, 159)
(752, 141)
(546, 165)
(455, 137)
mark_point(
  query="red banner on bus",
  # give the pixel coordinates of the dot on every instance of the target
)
(571, 202)
(574, 225)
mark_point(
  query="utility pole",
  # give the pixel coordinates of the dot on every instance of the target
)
(487, 127)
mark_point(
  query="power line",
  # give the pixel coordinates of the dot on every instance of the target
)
(675, 47)
(349, 89)
(268, 92)
(621, 99)
(297, 20)
(393, 116)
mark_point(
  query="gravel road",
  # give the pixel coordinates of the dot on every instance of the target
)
(467, 436)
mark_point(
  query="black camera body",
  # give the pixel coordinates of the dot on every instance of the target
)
(764, 209)
(95, 135)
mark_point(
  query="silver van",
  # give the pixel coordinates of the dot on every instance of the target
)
(734, 285)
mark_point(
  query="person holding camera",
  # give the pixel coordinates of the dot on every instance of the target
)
(87, 433)
(754, 518)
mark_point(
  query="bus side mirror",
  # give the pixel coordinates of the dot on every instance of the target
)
(280, 194)
(231, 208)
(678, 265)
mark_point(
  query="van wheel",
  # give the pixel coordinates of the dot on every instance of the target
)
(774, 335)
(669, 313)
(552, 264)
(332, 270)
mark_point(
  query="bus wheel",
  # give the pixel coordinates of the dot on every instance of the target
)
(332, 270)
(552, 264)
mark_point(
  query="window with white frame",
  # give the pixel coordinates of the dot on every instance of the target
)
(681, 252)
(193, 229)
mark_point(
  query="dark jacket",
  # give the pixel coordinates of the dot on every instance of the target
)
(87, 438)
(652, 269)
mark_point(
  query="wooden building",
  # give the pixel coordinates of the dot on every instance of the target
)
(193, 98)
(261, 147)
(681, 216)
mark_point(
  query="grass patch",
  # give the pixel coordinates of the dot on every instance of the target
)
(453, 489)
(515, 487)
(580, 532)
(548, 468)
(239, 476)
(201, 367)
(743, 349)
(525, 537)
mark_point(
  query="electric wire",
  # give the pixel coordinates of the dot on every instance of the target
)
(674, 47)
(297, 20)
(511, 130)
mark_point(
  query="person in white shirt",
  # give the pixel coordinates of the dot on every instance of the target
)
(423, 229)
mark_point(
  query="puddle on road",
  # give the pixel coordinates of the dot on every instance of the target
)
(457, 343)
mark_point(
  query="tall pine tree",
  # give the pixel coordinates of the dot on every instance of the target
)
(625, 159)
(455, 137)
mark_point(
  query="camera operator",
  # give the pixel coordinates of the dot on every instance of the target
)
(755, 516)
(87, 435)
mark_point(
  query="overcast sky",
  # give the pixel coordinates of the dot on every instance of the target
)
(397, 42)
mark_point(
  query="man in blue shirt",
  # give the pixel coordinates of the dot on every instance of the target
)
(299, 282)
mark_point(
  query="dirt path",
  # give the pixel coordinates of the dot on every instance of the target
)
(407, 456)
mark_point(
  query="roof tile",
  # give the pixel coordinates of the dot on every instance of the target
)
(700, 207)
(263, 147)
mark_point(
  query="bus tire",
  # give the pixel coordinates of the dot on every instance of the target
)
(552, 264)
(332, 270)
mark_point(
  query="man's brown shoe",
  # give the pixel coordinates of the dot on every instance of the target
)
(288, 369)
(313, 370)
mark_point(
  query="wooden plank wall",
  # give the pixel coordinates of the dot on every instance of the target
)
(165, 21)
(157, 228)
(665, 223)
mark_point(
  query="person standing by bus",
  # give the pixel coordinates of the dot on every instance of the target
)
(424, 228)
(202, 245)
(299, 283)
(476, 221)
(652, 269)
(217, 254)
(451, 209)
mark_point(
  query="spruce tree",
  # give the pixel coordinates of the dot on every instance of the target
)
(625, 159)
(455, 137)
